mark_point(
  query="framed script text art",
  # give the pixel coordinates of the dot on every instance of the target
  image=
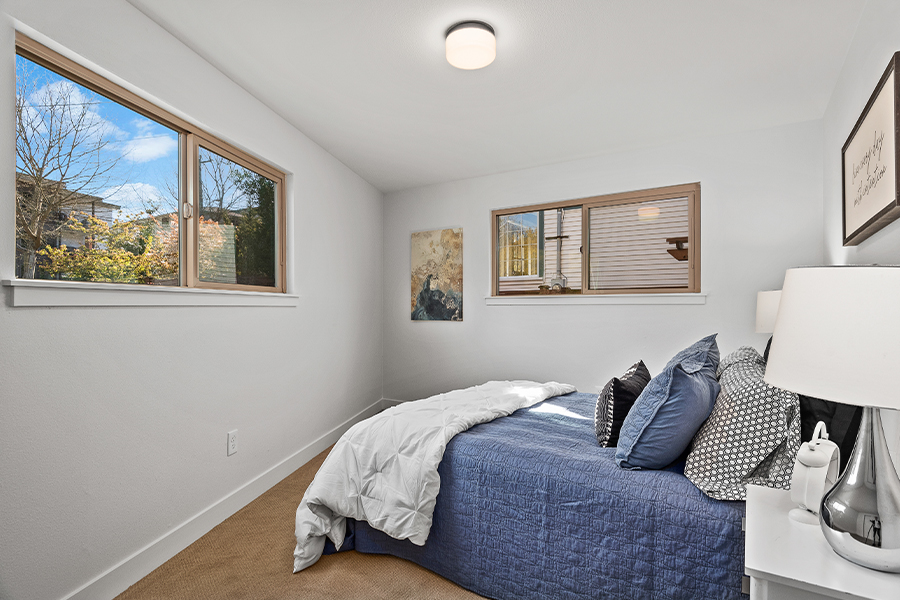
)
(436, 275)
(869, 163)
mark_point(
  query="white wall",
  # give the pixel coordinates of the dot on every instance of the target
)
(761, 213)
(877, 38)
(113, 421)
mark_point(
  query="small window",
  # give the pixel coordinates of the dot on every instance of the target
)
(636, 242)
(111, 188)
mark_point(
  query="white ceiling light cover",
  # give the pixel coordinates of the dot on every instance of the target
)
(471, 45)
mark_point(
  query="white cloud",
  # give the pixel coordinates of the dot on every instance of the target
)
(71, 103)
(145, 149)
(67, 102)
(143, 126)
(134, 197)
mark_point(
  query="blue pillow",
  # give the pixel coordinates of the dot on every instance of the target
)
(671, 409)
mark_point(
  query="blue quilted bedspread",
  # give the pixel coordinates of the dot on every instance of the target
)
(531, 507)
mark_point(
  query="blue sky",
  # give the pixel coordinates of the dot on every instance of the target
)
(146, 151)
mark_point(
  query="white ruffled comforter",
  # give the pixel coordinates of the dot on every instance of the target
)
(384, 469)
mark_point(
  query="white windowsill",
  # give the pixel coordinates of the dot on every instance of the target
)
(42, 292)
(595, 299)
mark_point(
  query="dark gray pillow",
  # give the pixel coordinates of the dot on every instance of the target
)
(616, 400)
(752, 435)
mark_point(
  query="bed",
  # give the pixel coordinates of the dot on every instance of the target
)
(530, 507)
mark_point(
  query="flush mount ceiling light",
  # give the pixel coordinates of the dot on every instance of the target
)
(471, 45)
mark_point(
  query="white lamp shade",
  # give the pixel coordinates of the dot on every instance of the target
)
(471, 46)
(767, 310)
(837, 335)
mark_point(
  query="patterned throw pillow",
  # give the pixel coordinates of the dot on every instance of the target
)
(752, 435)
(616, 400)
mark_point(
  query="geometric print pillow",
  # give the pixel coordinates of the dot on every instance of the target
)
(751, 436)
(616, 400)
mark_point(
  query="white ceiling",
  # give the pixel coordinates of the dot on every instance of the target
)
(368, 81)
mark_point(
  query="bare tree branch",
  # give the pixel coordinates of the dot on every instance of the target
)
(62, 156)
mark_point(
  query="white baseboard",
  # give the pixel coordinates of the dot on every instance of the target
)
(388, 402)
(137, 566)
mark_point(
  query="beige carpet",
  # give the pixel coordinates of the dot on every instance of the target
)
(250, 555)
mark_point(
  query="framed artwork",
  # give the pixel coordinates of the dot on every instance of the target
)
(869, 163)
(436, 275)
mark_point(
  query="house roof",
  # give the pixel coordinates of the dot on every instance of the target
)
(77, 201)
(368, 81)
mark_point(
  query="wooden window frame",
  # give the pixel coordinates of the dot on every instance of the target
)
(194, 141)
(691, 191)
(190, 137)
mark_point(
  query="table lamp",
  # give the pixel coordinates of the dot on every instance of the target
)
(767, 310)
(837, 337)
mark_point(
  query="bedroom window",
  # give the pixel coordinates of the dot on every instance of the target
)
(111, 188)
(636, 242)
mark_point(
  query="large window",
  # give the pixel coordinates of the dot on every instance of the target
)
(636, 242)
(111, 188)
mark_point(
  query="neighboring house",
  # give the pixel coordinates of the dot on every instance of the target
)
(217, 245)
(528, 251)
(217, 260)
(55, 234)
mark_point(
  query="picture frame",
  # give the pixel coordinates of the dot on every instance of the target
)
(869, 162)
(436, 275)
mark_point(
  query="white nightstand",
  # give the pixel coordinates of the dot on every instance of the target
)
(787, 560)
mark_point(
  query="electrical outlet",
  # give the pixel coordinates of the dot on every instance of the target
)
(232, 442)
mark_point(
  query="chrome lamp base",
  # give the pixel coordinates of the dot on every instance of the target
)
(860, 516)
